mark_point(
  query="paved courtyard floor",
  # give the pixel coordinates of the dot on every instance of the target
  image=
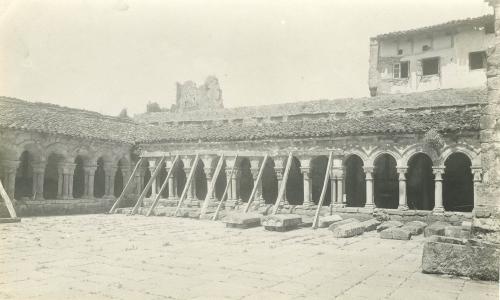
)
(134, 257)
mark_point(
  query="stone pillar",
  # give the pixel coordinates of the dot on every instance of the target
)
(139, 177)
(171, 188)
(340, 190)
(9, 176)
(279, 176)
(255, 166)
(209, 173)
(38, 178)
(60, 181)
(89, 181)
(403, 205)
(438, 190)
(333, 189)
(369, 187)
(307, 186)
(190, 189)
(235, 184)
(229, 189)
(476, 172)
(152, 167)
(70, 171)
(487, 205)
(110, 173)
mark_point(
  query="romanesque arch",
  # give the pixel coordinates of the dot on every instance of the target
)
(458, 188)
(420, 182)
(318, 171)
(269, 183)
(246, 179)
(295, 184)
(385, 177)
(355, 186)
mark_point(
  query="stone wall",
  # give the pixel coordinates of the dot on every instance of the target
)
(205, 97)
(488, 209)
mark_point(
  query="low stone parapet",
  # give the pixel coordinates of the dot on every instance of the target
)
(349, 230)
(436, 228)
(458, 232)
(282, 222)
(472, 258)
(415, 227)
(243, 220)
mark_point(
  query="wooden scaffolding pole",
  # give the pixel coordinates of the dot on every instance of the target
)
(164, 184)
(323, 192)
(150, 182)
(188, 184)
(256, 183)
(124, 191)
(228, 184)
(212, 186)
(8, 202)
(283, 184)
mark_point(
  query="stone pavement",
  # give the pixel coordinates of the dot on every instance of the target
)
(135, 257)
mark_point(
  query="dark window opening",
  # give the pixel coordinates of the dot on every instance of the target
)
(477, 60)
(405, 66)
(430, 66)
(400, 51)
(426, 47)
(489, 28)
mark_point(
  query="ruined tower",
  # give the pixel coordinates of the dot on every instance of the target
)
(207, 96)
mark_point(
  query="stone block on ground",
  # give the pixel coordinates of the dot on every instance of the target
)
(343, 222)
(457, 232)
(371, 224)
(328, 220)
(242, 220)
(415, 227)
(282, 222)
(436, 228)
(473, 258)
(395, 233)
(349, 230)
(389, 224)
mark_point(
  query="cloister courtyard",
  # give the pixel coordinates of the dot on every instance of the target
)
(134, 257)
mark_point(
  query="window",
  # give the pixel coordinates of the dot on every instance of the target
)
(477, 60)
(430, 66)
(401, 70)
(400, 51)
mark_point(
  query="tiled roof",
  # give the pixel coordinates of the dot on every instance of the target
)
(444, 110)
(54, 119)
(478, 21)
(460, 118)
(435, 98)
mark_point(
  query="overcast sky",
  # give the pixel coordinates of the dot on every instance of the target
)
(104, 55)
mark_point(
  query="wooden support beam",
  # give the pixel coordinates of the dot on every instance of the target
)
(256, 183)
(188, 183)
(164, 184)
(323, 191)
(212, 186)
(228, 184)
(124, 191)
(8, 202)
(148, 185)
(282, 189)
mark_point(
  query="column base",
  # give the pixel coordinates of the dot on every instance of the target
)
(438, 211)
(403, 207)
(370, 205)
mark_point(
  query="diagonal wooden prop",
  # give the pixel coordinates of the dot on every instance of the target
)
(8, 203)
(146, 188)
(323, 191)
(212, 186)
(124, 191)
(188, 183)
(256, 183)
(164, 184)
(228, 184)
(283, 184)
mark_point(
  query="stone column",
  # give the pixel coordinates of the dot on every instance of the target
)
(171, 188)
(152, 167)
(110, 172)
(438, 190)
(89, 181)
(235, 184)
(307, 186)
(70, 169)
(476, 172)
(369, 187)
(403, 205)
(38, 178)
(333, 189)
(9, 176)
(255, 166)
(229, 189)
(209, 173)
(340, 190)
(190, 189)
(60, 181)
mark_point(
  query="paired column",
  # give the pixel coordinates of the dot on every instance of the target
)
(38, 178)
(256, 165)
(89, 181)
(369, 187)
(306, 173)
(403, 205)
(109, 181)
(438, 190)
(152, 167)
(168, 166)
(9, 176)
(279, 168)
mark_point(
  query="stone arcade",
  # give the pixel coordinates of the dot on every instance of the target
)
(418, 155)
